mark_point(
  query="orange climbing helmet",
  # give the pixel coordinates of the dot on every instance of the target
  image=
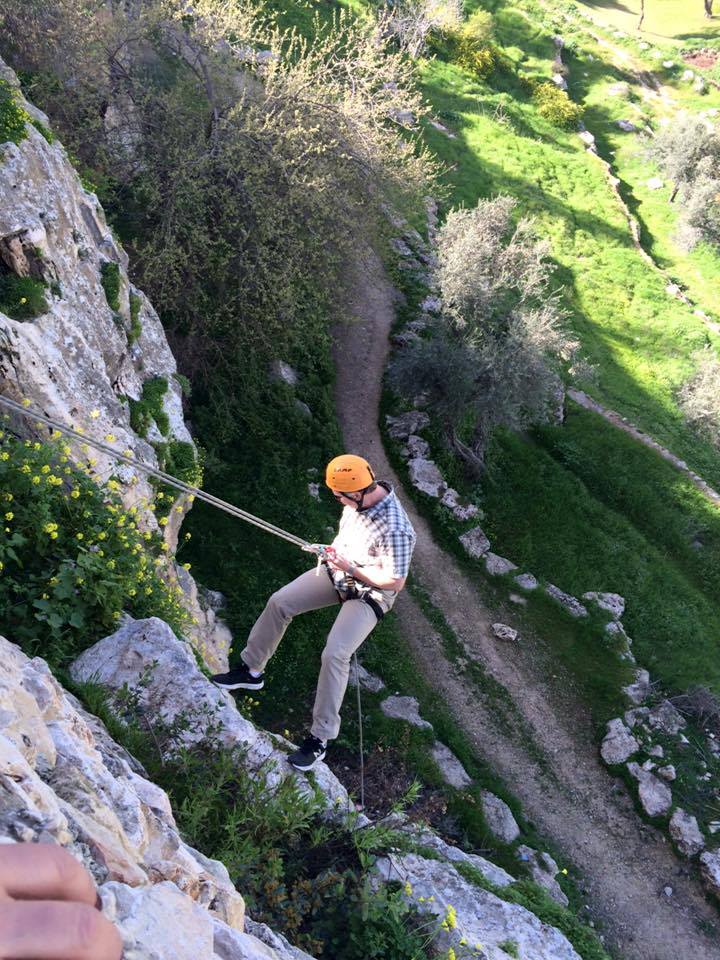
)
(349, 474)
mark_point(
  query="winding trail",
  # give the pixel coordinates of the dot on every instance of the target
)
(569, 796)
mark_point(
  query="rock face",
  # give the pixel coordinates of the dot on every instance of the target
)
(77, 362)
(685, 832)
(173, 685)
(619, 744)
(65, 781)
(499, 818)
(482, 917)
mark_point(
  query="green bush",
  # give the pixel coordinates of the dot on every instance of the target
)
(22, 298)
(555, 105)
(135, 322)
(41, 128)
(110, 280)
(71, 556)
(469, 49)
(12, 116)
(150, 407)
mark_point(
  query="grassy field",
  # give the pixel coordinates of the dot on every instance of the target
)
(679, 20)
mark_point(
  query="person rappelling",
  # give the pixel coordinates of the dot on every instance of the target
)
(364, 570)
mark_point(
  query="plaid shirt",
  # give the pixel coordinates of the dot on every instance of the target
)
(380, 536)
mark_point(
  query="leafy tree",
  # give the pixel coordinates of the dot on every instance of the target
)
(494, 359)
(700, 396)
(679, 148)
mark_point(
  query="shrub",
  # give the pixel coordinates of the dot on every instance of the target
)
(110, 280)
(150, 407)
(71, 556)
(22, 298)
(13, 117)
(41, 128)
(700, 396)
(135, 322)
(555, 105)
(479, 58)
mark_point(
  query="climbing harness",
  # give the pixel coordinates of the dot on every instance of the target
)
(319, 549)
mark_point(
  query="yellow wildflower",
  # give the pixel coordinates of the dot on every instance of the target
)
(36, 480)
(75, 493)
(25, 402)
(94, 414)
(9, 515)
(4, 455)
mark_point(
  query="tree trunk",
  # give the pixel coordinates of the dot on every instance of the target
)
(674, 193)
(642, 13)
(708, 8)
(472, 458)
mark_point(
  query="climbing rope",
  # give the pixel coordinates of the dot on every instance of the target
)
(317, 548)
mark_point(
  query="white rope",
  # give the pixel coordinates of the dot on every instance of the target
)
(165, 477)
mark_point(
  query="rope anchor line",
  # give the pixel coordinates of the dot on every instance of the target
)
(317, 548)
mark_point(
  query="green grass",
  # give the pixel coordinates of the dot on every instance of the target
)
(22, 298)
(110, 280)
(681, 20)
(150, 407)
(13, 117)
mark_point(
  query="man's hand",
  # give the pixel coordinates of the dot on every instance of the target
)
(337, 562)
(48, 907)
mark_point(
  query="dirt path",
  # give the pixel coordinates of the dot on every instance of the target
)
(570, 797)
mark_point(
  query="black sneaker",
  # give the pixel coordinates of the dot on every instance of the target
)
(309, 753)
(239, 679)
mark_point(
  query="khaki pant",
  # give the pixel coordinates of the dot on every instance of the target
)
(353, 623)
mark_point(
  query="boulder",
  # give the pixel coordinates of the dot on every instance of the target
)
(627, 126)
(426, 477)
(461, 511)
(475, 542)
(405, 708)
(503, 632)
(618, 744)
(639, 690)
(499, 817)
(400, 428)
(423, 837)
(666, 718)
(526, 581)
(543, 871)
(417, 447)
(685, 832)
(655, 183)
(451, 770)
(431, 305)
(667, 773)
(498, 566)
(710, 872)
(613, 603)
(481, 917)
(588, 139)
(655, 796)
(571, 604)
(367, 680)
(284, 373)
(559, 80)
(147, 656)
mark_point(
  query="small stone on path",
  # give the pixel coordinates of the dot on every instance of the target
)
(503, 632)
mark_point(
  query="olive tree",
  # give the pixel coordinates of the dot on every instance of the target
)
(700, 396)
(501, 330)
(680, 148)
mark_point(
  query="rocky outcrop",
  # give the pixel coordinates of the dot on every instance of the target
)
(479, 916)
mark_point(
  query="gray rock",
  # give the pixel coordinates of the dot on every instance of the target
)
(400, 428)
(588, 139)
(367, 680)
(451, 770)
(426, 838)
(431, 305)
(657, 751)
(526, 581)
(627, 126)
(710, 872)
(426, 477)
(148, 657)
(543, 871)
(475, 542)
(314, 490)
(666, 718)
(667, 773)
(482, 917)
(461, 511)
(516, 598)
(613, 603)
(499, 818)
(283, 949)
(668, 64)
(655, 796)
(618, 744)
(685, 832)
(283, 372)
(559, 80)
(417, 447)
(639, 690)
(503, 632)
(405, 708)
(655, 183)
(571, 604)
(498, 566)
